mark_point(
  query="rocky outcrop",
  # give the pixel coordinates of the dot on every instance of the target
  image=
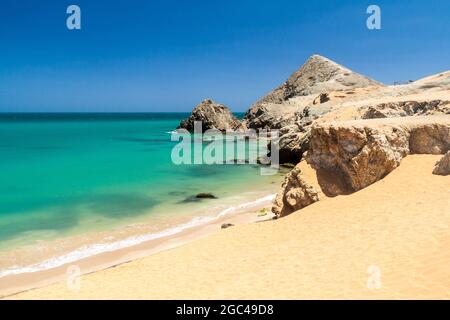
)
(213, 116)
(407, 108)
(294, 195)
(361, 152)
(442, 167)
(350, 155)
(317, 76)
(294, 105)
(294, 139)
(292, 144)
(261, 117)
(321, 98)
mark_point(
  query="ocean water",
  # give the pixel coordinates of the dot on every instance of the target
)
(72, 175)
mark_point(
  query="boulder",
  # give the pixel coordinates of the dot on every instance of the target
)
(205, 195)
(198, 197)
(294, 195)
(361, 152)
(442, 167)
(226, 225)
(213, 116)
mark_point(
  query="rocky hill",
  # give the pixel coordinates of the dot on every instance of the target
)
(322, 91)
(214, 116)
(317, 76)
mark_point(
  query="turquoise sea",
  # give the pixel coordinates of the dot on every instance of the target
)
(71, 175)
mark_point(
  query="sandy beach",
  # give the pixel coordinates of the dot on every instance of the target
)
(244, 213)
(390, 240)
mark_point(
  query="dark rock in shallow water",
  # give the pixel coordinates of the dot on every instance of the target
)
(226, 225)
(205, 196)
(199, 197)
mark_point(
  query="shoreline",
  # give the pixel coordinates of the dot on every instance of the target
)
(146, 245)
(328, 250)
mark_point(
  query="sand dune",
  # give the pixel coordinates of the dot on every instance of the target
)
(393, 236)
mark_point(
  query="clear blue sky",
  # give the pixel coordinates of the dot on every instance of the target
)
(169, 55)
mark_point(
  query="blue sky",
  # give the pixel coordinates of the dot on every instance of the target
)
(169, 55)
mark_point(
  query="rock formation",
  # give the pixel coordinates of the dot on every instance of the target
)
(407, 108)
(205, 195)
(295, 194)
(362, 152)
(213, 116)
(294, 105)
(316, 77)
(351, 155)
(442, 167)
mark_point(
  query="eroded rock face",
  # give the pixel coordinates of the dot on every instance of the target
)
(213, 116)
(350, 155)
(442, 167)
(292, 145)
(361, 152)
(407, 108)
(294, 138)
(321, 98)
(430, 138)
(294, 195)
(263, 118)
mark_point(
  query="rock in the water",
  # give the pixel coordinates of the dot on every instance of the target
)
(294, 195)
(407, 108)
(213, 116)
(199, 197)
(362, 152)
(204, 195)
(226, 225)
(442, 167)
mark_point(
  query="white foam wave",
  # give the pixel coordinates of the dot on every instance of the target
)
(94, 249)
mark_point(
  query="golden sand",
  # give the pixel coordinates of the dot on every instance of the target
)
(390, 240)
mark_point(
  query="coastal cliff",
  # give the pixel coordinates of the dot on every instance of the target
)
(353, 130)
(351, 155)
